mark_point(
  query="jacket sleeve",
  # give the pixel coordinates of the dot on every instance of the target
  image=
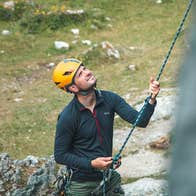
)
(63, 146)
(128, 113)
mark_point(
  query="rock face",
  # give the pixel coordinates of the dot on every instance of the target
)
(36, 176)
(140, 157)
(146, 153)
(28, 177)
(144, 163)
(147, 187)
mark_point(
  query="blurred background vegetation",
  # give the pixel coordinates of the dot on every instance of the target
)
(141, 30)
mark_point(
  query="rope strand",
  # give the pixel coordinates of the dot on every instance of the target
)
(174, 39)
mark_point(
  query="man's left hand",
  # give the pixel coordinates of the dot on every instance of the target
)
(154, 88)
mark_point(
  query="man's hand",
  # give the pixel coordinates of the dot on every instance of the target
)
(154, 88)
(101, 162)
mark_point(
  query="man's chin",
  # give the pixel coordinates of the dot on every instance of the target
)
(95, 84)
(92, 86)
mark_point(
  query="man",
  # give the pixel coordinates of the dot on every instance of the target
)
(84, 131)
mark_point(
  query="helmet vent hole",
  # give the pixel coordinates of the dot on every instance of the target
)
(67, 73)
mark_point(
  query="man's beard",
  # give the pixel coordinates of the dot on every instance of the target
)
(85, 92)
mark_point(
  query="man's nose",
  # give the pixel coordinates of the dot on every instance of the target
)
(87, 72)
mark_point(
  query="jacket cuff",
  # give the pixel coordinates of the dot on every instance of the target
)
(148, 99)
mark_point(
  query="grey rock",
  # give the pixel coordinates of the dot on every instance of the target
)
(164, 109)
(144, 163)
(4, 162)
(61, 45)
(146, 187)
(1, 187)
(31, 160)
(5, 32)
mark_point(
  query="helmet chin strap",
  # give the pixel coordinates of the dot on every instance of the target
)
(87, 91)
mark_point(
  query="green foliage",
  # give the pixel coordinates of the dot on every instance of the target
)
(19, 9)
(56, 21)
(35, 19)
(7, 14)
(33, 23)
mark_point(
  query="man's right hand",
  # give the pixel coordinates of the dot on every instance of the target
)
(101, 162)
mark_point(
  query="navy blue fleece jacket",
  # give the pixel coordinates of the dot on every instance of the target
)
(82, 136)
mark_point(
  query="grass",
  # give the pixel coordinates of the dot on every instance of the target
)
(28, 126)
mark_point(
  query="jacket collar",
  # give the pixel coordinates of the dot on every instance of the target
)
(99, 100)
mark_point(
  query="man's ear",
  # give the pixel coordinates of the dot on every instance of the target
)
(73, 88)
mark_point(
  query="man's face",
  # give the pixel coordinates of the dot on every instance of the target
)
(84, 78)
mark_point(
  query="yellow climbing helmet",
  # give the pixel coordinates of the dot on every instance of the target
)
(64, 73)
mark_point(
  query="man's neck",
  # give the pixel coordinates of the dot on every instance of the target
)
(88, 101)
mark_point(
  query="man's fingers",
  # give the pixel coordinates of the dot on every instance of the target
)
(151, 79)
(106, 158)
(156, 84)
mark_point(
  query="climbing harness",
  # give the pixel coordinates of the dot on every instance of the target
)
(63, 182)
(106, 177)
(110, 183)
(117, 156)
